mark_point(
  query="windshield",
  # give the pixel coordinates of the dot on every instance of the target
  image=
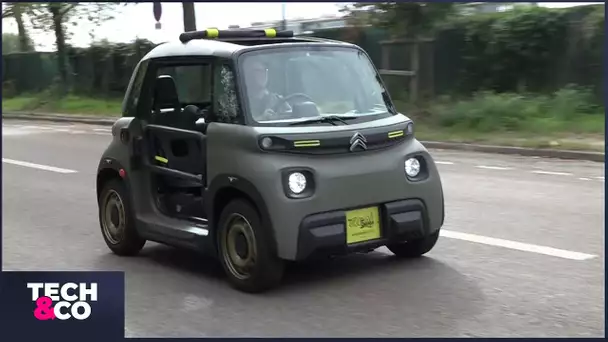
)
(311, 83)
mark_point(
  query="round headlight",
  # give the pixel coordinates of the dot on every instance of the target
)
(266, 142)
(412, 167)
(297, 182)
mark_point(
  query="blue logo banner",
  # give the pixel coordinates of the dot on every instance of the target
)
(66, 306)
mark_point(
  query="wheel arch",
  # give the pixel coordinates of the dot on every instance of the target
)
(108, 169)
(225, 188)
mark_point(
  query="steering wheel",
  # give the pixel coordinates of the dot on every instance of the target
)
(289, 97)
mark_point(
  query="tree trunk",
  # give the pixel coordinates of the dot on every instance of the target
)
(55, 9)
(24, 44)
(189, 18)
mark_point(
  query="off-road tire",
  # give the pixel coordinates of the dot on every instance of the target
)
(268, 269)
(415, 248)
(131, 243)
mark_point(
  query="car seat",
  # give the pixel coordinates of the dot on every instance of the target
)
(171, 152)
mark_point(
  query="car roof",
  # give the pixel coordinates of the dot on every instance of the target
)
(227, 47)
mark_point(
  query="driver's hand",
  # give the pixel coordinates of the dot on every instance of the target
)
(268, 114)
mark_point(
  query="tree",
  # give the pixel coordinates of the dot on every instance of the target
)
(55, 16)
(16, 11)
(402, 19)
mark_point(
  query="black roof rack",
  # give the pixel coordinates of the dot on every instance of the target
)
(237, 34)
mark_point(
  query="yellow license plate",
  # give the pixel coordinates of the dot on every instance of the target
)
(362, 225)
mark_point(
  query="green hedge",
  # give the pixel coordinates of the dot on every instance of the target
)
(532, 49)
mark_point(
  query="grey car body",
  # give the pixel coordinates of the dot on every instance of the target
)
(349, 166)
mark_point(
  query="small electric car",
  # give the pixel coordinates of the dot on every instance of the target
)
(261, 148)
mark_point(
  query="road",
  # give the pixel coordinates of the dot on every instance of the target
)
(521, 255)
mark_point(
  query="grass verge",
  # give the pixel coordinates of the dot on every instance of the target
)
(567, 119)
(71, 104)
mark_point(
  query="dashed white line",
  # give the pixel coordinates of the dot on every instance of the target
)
(493, 167)
(520, 246)
(552, 173)
(444, 163)
(600, 178)
(585, 179)
(37, 166)
(102, 130)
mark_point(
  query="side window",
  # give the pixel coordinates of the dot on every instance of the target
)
(226, 106)
(133, 92)
(192, 82)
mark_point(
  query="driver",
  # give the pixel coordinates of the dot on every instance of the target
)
(263, 103)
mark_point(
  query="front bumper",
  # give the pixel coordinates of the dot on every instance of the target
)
(325, 233)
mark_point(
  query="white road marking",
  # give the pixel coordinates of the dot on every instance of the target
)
(14, 131)
(37, 166)
(520, 246)
(493, 167)
(552, 173)
(585, 179)
(32, 127)
(444, 163)
(78, 132)
(600, 178)
(102, 130)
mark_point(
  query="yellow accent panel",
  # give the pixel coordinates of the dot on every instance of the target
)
(362, 225)
(270, 33)
(161, 159)
(212, 33)
(395, 134)
(307, 143)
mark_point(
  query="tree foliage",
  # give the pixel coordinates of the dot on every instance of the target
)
(523, 48)
(401, 19)
(57, 17)
(16, 11)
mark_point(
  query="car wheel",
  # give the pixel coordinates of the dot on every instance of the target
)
(415, 248)
(245, 249)
(116, 220)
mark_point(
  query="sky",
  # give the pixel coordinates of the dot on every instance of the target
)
(137, 20)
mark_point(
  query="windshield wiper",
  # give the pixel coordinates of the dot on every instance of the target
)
(328, 119)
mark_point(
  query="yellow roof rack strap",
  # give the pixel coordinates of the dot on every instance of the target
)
(270, 33)
(213, 33)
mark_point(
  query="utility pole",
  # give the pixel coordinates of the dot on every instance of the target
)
(283, 20)
(189, 17)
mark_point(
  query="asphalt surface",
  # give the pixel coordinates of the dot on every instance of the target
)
(522, 254)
